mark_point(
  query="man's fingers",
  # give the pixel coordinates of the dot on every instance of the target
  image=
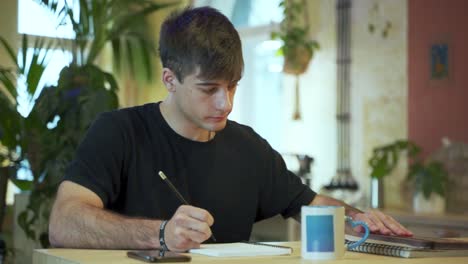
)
(194, 218)
(180, 238)
(197, 213)
(183, 244)
(373, 222)
(195, 236)
(378, 223)
(188, 227)
(189, 223)
(393, 225)
(364, 217)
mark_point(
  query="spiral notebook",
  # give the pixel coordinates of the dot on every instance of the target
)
(241, 249)
(406, 252)
(409, 247)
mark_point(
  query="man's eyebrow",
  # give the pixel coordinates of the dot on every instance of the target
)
(207, 83)
(214, 83)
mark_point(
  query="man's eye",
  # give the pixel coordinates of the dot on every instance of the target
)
(209, 91)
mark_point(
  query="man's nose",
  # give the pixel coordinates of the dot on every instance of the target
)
(223, 100)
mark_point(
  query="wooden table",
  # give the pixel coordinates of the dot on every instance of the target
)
(67, 256)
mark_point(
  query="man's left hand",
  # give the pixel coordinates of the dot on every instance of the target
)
(379, 222)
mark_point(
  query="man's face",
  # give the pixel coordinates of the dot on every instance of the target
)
(205, 104)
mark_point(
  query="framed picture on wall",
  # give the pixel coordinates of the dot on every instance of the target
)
(440, 62)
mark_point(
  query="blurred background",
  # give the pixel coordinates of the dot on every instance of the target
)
(377, 115)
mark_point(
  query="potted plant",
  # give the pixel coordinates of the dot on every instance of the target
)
(298, 48)
(83, 91)
(430, 181)
(383, 161)
(428, 178)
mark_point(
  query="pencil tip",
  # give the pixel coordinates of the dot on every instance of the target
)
(162, 175)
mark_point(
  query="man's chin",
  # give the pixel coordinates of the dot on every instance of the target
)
(217, 127)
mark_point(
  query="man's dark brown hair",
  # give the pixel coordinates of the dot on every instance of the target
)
(201, 37)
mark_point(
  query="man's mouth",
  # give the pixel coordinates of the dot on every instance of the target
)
(217, 118)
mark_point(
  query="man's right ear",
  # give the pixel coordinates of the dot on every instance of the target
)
(169, 79)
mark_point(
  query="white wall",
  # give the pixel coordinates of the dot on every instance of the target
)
(379, 86)
(378, 92)
(315, 134)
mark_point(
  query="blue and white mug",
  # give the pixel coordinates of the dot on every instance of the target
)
(323, 232)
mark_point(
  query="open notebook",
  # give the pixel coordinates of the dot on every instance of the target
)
(241, 249)
(410, 247)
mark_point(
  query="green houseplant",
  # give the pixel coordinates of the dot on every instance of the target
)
(83, 91)
(427, 177)
(385, 158)
(297, 47)
(20, 135)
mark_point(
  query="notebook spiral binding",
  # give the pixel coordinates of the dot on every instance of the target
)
(380, 249)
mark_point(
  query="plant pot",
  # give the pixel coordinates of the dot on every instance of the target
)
(377, 193)
(434, 205)
(297, 61)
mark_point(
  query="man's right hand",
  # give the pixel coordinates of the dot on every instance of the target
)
(188, 228)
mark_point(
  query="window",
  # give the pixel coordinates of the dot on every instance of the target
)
(30, 13)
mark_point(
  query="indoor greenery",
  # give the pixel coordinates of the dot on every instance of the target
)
(427, 176)
(44, 140)
(297, 48)
(20, 135)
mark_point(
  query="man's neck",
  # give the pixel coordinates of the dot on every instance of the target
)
(178, 123)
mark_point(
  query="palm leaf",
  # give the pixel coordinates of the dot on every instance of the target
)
(24, 51)
(7, 79)
(129, 53)
(36, 66)
(128, 21)
(9, 123)
(116, 52)
(9, 50)
(145, 54)
(23, 185)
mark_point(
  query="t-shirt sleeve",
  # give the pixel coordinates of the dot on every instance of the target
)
(99, 159)
(282, 191)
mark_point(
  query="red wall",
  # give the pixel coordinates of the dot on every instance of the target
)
(437, 108)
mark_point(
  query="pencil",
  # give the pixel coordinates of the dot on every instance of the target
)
(177, 193)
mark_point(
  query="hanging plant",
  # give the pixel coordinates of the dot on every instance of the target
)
(298, 48)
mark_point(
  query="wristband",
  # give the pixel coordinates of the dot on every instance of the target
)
(162, 241)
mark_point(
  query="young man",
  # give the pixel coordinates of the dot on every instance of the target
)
(112, 196)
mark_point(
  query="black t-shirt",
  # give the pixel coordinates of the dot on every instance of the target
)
(236, 176)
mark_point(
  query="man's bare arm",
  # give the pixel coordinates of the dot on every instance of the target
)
(78, 220)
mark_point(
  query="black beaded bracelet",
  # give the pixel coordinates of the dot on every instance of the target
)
(162, 241)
